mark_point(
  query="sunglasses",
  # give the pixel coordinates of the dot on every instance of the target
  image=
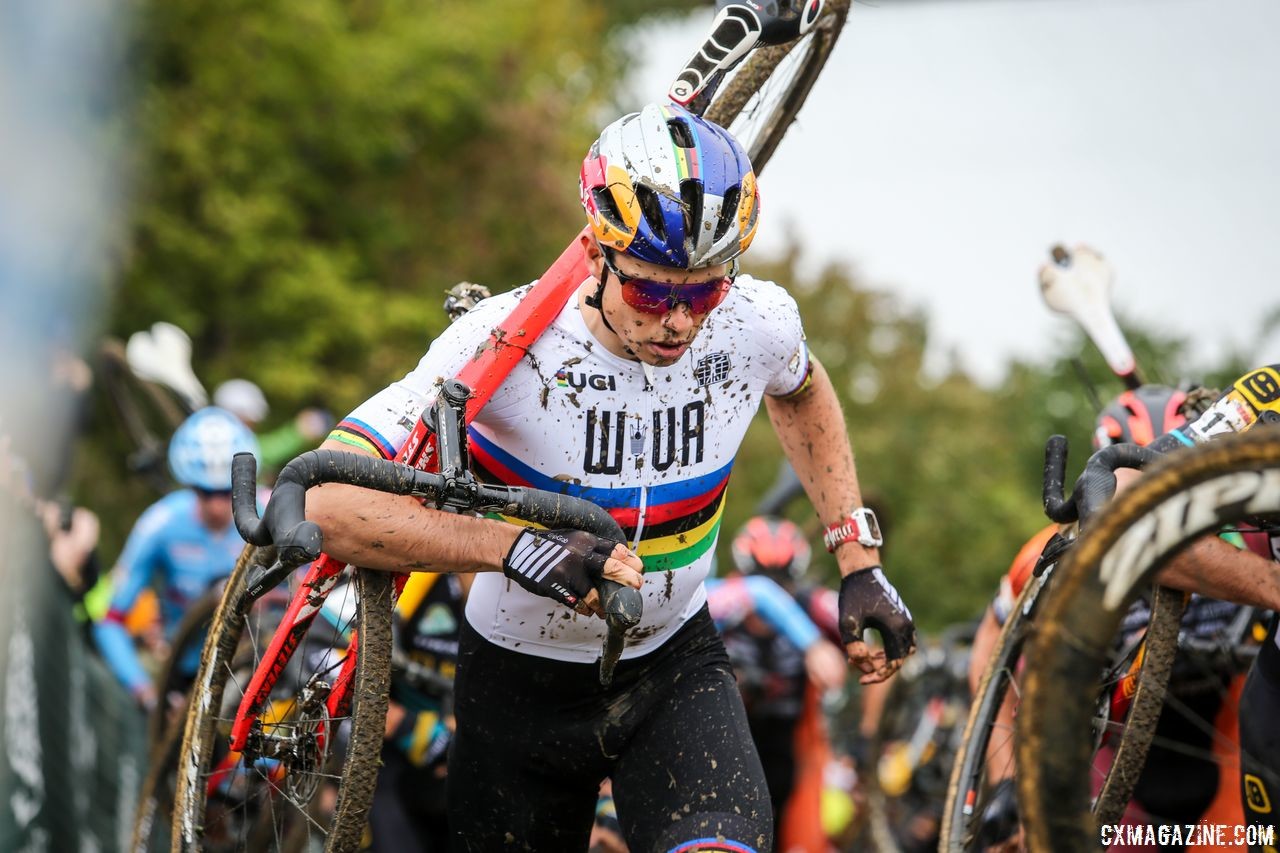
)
(659, 297)
(210, 494)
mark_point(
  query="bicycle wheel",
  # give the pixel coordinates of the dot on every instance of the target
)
(1194, 492)
(986, 747)
(188, 639)
(164, 730)
(307, 779)
(147, 412)
(763, 96)
(155, 798)
(986, 754)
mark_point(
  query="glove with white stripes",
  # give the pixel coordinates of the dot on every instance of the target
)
(868, 600)
(559, 564)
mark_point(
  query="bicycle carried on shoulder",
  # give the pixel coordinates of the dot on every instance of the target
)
(286, 745)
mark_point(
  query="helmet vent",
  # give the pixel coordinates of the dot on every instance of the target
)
(681, 133)
(691, 195)
(651, 210)
(608, 206)
(728, 210)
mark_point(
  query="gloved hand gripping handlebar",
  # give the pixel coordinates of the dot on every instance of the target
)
(283, 522)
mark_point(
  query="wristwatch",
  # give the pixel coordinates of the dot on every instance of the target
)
(860, 525)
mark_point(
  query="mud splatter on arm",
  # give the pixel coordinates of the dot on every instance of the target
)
(813, 434)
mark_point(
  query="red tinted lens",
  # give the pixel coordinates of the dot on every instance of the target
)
(659, 297)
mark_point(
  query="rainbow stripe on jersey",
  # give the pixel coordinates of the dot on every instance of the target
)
(681, 519)
(361, 436)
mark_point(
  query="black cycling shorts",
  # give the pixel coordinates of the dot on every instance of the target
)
(537, 736)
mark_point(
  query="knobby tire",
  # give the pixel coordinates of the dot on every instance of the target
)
(1054, 748)
(762, 123)
(354, 769)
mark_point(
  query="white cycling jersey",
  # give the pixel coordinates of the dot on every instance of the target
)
(576, 419)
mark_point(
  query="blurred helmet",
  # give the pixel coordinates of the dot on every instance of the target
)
(201, 448)
(670, 188)
(1139, 416)
(243, 399)
(771, 546)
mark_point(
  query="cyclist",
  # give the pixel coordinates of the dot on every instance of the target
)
(1248, 576)
(183, 543)
(780, 636)
(276, 446)
(636, 397)
(1177, 783)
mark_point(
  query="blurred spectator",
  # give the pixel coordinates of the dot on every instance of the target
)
(185, 542)
(279, 445)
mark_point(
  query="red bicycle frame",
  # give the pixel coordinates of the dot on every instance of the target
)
(483, 374)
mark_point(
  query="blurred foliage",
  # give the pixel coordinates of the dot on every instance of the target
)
(311, 176)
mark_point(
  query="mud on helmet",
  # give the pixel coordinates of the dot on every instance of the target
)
(771, 546)
(667, 187)
(201, 448)
(1139, 416)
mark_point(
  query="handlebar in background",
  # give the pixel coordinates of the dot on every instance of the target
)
(1096, 484)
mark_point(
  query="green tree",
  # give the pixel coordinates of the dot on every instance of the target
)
(311, 176)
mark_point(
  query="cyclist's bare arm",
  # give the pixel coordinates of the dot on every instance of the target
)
(1214, 568)
(396, 533)
(984, 641)
(811, 428)
(1217, 569)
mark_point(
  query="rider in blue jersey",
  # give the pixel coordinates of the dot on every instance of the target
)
(183, 543)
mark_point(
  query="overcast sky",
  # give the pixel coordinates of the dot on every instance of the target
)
(949, 144)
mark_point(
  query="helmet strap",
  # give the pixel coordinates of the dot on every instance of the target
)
(596, 300)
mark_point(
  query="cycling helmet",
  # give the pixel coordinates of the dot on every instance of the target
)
(243, 399)
(670, 188)
(201, 448)
(1138, 416)
(773, 546)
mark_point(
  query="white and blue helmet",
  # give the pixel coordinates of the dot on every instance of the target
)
(668, 187)
(201, 449)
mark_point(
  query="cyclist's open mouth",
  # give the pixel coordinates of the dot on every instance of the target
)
(668, 351)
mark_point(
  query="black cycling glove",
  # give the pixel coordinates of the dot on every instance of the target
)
(868, 600)
(559, 564)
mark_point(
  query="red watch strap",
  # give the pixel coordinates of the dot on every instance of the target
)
(848, 529)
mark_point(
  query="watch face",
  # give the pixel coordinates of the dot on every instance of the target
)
(872, 525)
